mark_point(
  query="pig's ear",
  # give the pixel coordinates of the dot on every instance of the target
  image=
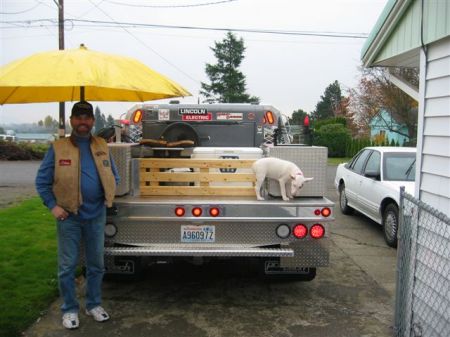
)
(308, 179)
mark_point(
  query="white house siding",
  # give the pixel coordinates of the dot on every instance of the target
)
(434, 183)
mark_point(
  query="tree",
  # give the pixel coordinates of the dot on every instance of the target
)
(334, 136)
(331, 104)
(110, 120)
(297, 117)
(99, 119)
(50, 123)
(2, 131)
(227, 82)
(375, 93)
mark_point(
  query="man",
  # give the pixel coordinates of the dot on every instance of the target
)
(76, 180)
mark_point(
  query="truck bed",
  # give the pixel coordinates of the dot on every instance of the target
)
(248, 200)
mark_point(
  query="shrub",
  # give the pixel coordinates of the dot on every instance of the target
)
(336, 120)
(355, 145)
(22, 151)
(334, 136)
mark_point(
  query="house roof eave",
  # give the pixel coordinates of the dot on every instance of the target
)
(382, 30)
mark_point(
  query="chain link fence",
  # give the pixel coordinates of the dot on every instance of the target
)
(422, 305)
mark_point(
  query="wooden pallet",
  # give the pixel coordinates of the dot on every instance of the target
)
(196, 177)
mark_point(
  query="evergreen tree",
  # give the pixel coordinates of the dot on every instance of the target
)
(331, 103)
(99, 119)
(110, 120)
(227, 82)
(298, 117)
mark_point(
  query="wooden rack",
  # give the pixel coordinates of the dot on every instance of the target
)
(196, 177)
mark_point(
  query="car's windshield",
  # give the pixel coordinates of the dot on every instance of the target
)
(399, 166)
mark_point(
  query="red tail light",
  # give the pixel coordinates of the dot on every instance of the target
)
(317, 231)
(300, 231)
(179, 211)
(326, 212)
(137, 116)
(214, 211)
(197, 211)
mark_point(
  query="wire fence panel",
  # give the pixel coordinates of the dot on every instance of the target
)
(422, 307)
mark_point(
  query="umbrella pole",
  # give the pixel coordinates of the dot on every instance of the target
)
(62, 122)
(81, 93)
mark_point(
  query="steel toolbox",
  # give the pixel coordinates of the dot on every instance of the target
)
(312, 160)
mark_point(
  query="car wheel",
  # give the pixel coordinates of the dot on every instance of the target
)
(343, 202)
(390, 224)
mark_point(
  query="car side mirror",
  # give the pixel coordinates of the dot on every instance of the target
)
(373, 174)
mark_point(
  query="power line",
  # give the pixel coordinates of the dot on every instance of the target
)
(144, 44)
(240, 30)
(169, 6)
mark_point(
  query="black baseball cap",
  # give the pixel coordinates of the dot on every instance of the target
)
(82, 108)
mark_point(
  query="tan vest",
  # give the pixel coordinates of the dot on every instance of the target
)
(66, 185)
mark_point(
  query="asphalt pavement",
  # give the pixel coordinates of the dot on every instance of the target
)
(17, 181)
(354, 296)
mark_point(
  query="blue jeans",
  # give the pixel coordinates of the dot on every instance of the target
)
(70, 233)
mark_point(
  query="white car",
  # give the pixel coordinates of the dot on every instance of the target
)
(370, 183)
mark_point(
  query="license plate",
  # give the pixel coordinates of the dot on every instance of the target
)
(198, 233)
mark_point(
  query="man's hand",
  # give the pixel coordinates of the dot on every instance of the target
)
(59, 213)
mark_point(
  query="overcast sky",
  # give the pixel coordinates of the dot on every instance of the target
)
(287, 71)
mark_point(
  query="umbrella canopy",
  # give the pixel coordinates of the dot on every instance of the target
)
(76, 74)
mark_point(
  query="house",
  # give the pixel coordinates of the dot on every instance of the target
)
(416, 33)
(384, 126)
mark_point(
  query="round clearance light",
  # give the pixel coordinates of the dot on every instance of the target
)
(110, 230)
(214, 211)
(283, 231)
(300, 231)
(179, 211)
(326, 212)
(197, 211)
(317, 211)
(317, 231)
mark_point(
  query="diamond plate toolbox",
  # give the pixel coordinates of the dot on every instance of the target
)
(312, 160)
(121, 154)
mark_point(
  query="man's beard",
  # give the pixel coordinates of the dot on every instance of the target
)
(86, 132)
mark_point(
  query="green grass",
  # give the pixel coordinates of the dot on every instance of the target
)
(28, 281)
(337, 161)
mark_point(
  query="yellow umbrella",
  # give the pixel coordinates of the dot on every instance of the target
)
(76, 74)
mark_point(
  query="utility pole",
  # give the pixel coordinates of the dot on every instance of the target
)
(62, 108)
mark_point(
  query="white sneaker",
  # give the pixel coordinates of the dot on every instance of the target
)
(70, 320)
(99, 314)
